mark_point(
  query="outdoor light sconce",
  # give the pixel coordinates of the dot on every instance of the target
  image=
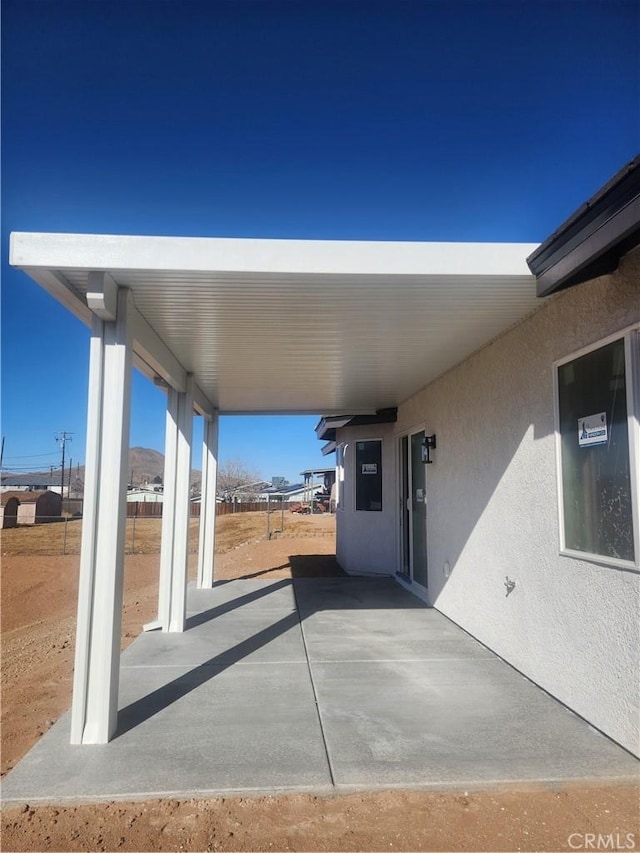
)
(428, 444)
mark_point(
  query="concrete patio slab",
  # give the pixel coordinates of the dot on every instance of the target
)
(356, 594)
(470, 720)
(186, 732)
(305, 685)
(265, 595)
(246, 635)
(368, 635)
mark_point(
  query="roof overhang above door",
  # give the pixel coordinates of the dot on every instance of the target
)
(294, 325)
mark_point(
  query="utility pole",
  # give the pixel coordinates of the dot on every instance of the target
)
(62, 438)
(70, 465)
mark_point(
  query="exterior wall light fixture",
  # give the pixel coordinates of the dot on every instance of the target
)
(428, 445)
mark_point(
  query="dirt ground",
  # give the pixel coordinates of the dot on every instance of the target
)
(38, 625)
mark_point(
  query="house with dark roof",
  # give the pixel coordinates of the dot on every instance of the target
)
(33, 482)
(482, 401)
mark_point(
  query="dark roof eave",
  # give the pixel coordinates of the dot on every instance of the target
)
(326, 432)
(593, 239)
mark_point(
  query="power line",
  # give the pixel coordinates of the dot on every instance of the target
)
(20, 469)
(33, 455)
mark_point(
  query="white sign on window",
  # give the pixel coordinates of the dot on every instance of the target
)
(592, 429)
(369, 468)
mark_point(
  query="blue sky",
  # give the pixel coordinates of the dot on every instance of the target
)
(416, 120)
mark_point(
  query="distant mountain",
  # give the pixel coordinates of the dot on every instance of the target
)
(144, 465)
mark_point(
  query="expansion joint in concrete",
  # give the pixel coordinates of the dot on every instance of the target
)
(313, 686)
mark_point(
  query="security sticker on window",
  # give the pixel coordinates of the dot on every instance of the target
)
(369, 468)
(592, 430)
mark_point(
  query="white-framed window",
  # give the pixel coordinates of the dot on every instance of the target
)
(340, 457)
(598, 450)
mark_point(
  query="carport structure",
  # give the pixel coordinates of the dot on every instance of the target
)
(243, 326)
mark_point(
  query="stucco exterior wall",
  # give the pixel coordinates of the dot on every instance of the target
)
(365, 541)
(492, 505)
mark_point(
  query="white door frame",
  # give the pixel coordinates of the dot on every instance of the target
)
(408, 581)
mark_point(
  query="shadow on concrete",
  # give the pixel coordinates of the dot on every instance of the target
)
(315, 566)
(228, 606)
(259, 574)
(151, 704)
(304, 566)
(333, 594)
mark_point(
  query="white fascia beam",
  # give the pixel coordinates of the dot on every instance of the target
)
(152, 355)
(113, 252)
(62, 291)
(152, 350)
(202, 404)
(155, 359)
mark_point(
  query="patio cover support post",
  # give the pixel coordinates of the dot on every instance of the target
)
(168, 512)
(207, 540)
(174, 549)
(94, 711)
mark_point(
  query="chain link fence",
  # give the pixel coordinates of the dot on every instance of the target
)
(62, 534)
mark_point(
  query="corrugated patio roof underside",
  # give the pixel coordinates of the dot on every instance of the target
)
(299, 326)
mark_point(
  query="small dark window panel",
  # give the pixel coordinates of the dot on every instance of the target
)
(369, 476)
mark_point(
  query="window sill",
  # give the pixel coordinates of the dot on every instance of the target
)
(606, 562)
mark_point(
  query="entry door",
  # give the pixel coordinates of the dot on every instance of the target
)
(413, 509)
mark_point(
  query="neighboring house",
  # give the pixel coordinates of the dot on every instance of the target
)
(35, 507)
(33, 482)
(524, 529)
(328, 475)
(149, 487)
(484, 411)
(197, 498)
(9, 504)
(245, 492)
(293, 493)
(144, 496)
